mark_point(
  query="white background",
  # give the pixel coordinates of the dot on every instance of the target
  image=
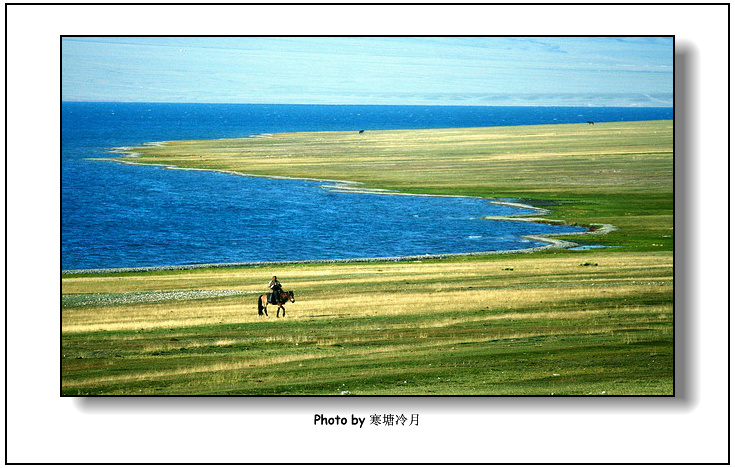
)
(43, 428)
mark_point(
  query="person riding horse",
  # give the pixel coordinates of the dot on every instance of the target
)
(275, 286)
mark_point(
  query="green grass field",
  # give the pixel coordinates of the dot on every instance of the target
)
(559, 322)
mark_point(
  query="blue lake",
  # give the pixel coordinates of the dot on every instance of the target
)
(118, 215)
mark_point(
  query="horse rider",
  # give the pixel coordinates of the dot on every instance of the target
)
(275, 286)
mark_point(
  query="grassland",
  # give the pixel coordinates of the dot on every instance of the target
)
(555, 322)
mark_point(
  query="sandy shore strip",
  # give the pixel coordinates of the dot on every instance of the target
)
(129, 298)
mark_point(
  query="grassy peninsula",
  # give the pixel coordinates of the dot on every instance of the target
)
(596, 322)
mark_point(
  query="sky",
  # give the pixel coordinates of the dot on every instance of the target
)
(545, 71)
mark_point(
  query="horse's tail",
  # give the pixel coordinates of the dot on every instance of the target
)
(260, 305)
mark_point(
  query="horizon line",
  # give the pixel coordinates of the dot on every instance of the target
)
(591, 106)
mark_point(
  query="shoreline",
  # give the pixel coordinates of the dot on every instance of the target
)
(346, 186)
(551, 244)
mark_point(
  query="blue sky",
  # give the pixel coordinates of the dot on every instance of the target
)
(576, 71)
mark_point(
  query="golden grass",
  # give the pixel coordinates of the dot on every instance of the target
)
(384, 289)
(566, 157)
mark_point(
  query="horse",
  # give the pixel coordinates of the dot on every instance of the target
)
(282, 298)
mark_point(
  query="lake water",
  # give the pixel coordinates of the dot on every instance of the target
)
(118, 215)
